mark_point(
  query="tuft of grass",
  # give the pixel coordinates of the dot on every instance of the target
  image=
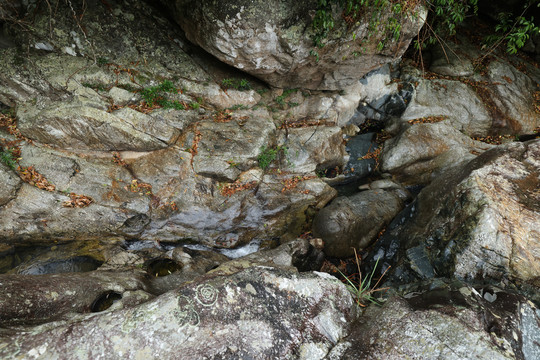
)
(281, 99)
(101, 61)
(95, 86)
(363, 291)
(238, 84)
(239, 107)
(157, 96)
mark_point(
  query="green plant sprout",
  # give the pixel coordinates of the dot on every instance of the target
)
(156, 95)
(238, 84)
(6, 156)
(269, 155)
(281, 99)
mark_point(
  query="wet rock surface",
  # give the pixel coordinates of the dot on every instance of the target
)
(474, 222)
(135, 172)
(422, 151)
(354, 222)
(239, 310)
(449, 322)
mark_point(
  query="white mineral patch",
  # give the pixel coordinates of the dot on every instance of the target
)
(313, 351)
(251, 289)
(242, 251)
(44, 46)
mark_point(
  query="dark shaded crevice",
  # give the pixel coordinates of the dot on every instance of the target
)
(105, 301)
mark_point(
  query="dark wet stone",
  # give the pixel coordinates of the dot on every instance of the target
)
(105, 301)
(476, 223)
(449, 321)
(162, 267)
(357, 147)
(74, 264)
(355, 221)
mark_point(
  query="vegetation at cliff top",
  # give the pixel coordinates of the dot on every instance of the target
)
(513, 30)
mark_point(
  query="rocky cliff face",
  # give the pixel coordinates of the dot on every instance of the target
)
(133, 165)
(83, 125)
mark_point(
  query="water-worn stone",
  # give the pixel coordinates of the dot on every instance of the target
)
(446, 323)
(233, 316)
(354, 221)
(273, 40)
(313, 148)
(87, 126)
(264, 209)
(227, 148)
(298, 253)
(478, 221)
(465, 111)
(513, 96)
(497, 101)
(422, 151)
(36, 299)
(37, 214)
(10, 184)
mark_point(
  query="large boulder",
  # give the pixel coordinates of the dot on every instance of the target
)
(420, 152)
(260, 312)
(491, 98)
(448, 322)
(353, 222)
(273, 40)
(476, 222)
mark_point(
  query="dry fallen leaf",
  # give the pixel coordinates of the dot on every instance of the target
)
(78, 201)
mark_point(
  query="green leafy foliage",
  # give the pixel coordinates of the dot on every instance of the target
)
(157, 96)
(101, 61)
(269, 155)
(96, 86)
(323, 22)
(281, 98)
(6, 156)
(444, 16)
(239, 107)
(514, 30)
(238, 84)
